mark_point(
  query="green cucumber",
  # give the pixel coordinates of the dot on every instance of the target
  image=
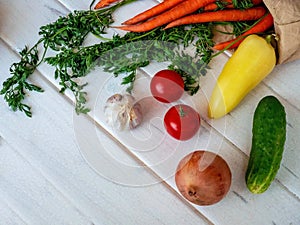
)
(268, 139)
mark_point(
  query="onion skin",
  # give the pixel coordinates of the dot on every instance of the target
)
(203, 177)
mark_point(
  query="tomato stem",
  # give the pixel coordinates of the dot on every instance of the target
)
(181, 112)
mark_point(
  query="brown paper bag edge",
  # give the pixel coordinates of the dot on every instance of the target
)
(288, 32)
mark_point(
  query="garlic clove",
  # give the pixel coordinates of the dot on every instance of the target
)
(122, 112)
(136, 116)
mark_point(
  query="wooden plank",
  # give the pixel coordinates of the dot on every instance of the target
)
(239, 136)
(10, 11)
(166, 153)
(46, 148)
(31, 195)
(237, 126)
(8, 215)
(283, 81)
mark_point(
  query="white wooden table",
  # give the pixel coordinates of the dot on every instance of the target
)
(60, 168)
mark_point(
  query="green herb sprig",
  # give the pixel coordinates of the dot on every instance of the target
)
(66, 33)
(72, 60)
(14, 88)
(125, 54)
(245, 4)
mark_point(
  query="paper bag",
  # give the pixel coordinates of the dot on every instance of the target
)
(286, 15)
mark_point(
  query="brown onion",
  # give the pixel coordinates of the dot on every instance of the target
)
(203, 177)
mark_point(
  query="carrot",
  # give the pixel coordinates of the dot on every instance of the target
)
(227, 4)
(222, 15)
(184, 8)
(155, 10)
(103, 3)
(214, 6)
(263, 25)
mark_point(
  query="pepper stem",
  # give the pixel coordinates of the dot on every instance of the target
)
(269, 38)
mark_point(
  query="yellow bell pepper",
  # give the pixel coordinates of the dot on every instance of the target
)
(253, 60)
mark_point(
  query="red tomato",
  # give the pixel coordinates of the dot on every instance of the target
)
(167, 86)
(182, 122)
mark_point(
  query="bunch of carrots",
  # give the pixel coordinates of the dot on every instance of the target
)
(172, 13)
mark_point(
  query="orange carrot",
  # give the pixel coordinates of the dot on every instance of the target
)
(222, 15)
(263, 25)
(214, 6)
(227, 4)
(155, 10)
(184, 8)
(103, 3)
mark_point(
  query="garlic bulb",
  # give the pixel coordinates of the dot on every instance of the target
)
(122, 112)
